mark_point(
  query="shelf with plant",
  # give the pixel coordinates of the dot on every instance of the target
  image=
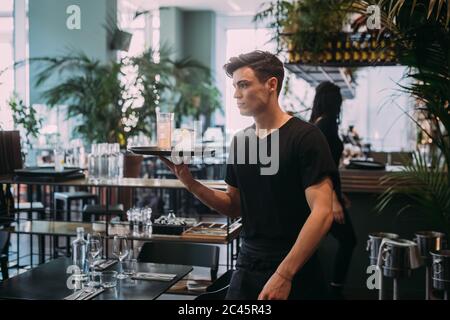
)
(326, 33)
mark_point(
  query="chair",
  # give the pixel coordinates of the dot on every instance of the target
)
(182, 253)
(10, 152)
(68, 197)
(218, 289)
(4, 243)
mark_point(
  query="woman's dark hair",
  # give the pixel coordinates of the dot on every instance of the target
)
(327, 102)
(263, 63)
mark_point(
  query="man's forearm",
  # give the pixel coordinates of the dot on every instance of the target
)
(315, 228)
(215, 199)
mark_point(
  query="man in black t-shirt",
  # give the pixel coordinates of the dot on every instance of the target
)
(279, 180)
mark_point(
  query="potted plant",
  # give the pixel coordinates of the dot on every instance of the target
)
(112, 108)
(95, 93)
(422, 29)
(27, 121)
(196, 96)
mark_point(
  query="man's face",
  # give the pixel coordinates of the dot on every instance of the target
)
(252, 95)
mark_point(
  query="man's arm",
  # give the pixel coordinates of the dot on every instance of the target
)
(225, 202)
(319, 198)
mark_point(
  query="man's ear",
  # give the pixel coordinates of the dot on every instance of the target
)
(272, 83)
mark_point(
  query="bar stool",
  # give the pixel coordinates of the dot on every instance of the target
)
(30, 207)
(441, 271)
(68, 197)
(397, 258)
(373, 246)
(427, 242)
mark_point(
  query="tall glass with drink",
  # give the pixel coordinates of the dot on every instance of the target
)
(164, 130)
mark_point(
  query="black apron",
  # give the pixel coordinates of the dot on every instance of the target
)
(257, 262)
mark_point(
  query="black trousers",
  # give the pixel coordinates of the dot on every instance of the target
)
(254, 269)
(345, 235)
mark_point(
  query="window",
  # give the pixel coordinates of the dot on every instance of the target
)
(378, 110)
(6, 6)
(6, 62)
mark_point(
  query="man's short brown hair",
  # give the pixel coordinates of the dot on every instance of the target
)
(263, 63)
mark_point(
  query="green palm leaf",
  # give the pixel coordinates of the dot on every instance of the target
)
(426, 186)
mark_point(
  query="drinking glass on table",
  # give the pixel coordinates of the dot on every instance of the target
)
(120, 251)
(93, 250)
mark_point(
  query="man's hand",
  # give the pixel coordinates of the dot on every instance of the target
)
(181, 171)
(338, 212)
(277, 288)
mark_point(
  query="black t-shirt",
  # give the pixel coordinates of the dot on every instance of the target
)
(274, 207)
(329, 128)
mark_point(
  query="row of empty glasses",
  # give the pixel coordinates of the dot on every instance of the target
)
(140, 220)
(397, 257)
(105, 163)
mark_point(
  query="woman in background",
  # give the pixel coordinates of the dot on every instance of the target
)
(326, 115)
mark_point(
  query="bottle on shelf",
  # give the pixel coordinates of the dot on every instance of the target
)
(306, 57)
(391, 55)
(338, 54)
(356, 52)
(382, 53)
(364, 51)
(328, 53)
(291, 51)
(373, 57)
(347, 51)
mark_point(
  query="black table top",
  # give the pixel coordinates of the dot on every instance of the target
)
(49, 282)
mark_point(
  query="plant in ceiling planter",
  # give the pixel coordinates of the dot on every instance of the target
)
(117, 38)
(306, 25)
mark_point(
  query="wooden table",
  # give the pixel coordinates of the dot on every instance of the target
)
(49, 282)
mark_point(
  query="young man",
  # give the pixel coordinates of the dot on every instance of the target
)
(286, 212)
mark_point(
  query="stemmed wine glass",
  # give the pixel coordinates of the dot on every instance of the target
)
(120, 251)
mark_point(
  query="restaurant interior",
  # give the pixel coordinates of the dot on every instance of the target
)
(94, 93)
